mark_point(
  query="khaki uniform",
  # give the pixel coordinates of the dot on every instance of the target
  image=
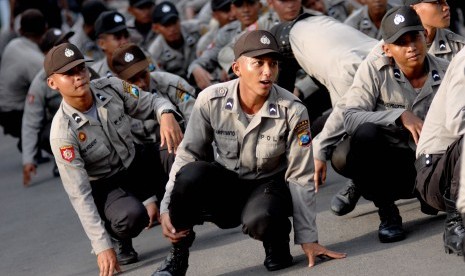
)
(316, 44)
(361, 21)
(42, 102)
(173, 88)
(276, 140)
(446, 44)
(86, 149)
(176, 61)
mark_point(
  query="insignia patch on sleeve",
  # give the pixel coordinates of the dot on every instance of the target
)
(181, 93)
(131, 89)
(302, 129)
(67, 153)
(30, 98)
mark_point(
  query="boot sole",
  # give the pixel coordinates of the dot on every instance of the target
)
(391, 239)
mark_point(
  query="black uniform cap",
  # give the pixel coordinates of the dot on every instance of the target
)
(398, 21)
(218, 5)
(164, 13)
(110, 22)
(413, 2)
(140, 3)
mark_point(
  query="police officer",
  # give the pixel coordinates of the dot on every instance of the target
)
(174, 48)
(104, 173)
(368, 18)
(204, 70)
(263, 143)
(384, 112)
(111, 32)
(85, 37)
(22, 59)
(435, 17)
(140, 26)
(41, 104)
(439, 154)
(130, 64)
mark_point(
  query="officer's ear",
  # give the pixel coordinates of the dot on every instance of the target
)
(236, 68)
(156, 28)
(101, 42)
(51, 83)
(387, 50)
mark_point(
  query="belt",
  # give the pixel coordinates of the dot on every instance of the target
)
(423, 160)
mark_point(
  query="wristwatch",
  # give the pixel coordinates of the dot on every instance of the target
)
(167, 111)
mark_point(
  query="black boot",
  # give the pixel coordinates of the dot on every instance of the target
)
(390, 228)
(454, 233)
(345, 200)
(278, 255)
(177, 262)
(125, 253)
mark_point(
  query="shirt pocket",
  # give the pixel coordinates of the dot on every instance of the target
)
(97, 160)
(269, 156)
(227, 152)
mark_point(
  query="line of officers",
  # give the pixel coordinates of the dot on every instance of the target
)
(389, 98)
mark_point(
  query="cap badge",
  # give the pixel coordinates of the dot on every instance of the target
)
(69, 52)
(166, 9)
(399, 19)
(128, 57)
(56, 32)
(265, 40)
(118, 18)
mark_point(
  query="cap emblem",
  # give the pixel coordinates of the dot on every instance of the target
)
(166, 9)
(399, 19)
(128, 57)
(56, 32)
(265, 40)
(69, 52)
(118, 18)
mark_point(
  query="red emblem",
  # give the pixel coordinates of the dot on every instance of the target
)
(67, 153)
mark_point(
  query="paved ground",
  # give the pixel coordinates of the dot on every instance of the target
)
(41, 235)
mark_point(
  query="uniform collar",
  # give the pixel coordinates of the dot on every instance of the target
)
(269, 109)
(440, 44)
(435, 75)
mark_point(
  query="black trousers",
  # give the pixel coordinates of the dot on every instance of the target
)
(119, 198)
(11, 122)
(438, 176)
(380, 162)
(206, 191)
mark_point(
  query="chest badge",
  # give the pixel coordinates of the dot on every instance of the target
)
(82, 136)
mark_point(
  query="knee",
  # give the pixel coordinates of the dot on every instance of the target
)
(366, 132)
(129, 222)
(263, 226)
(191, 174)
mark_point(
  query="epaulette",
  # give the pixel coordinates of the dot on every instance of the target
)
(455, 37)
(103, 82)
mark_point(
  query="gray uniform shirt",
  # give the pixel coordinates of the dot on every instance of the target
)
(42, 102)
(446, 44)
(274, 141)
(173, 88)
(381, 93)
(361, 21)
(317, 45)
(21, 61)
(102, 68)
(176, 61)
(86, 149)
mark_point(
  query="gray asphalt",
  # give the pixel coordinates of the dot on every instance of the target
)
(41, 235)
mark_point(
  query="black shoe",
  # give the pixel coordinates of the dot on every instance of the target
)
(177, 262)
(125, 253)
(345, 200)
(278, 255)
(390, 228)
(454, 232)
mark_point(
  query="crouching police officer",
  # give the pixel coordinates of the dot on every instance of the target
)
(104, 173)
(439, 151)
(263, 170)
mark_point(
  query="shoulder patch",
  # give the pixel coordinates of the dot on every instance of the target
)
(131, 89)
(67, 153)
(302, 130)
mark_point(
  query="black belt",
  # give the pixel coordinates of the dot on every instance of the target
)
(423, 160)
